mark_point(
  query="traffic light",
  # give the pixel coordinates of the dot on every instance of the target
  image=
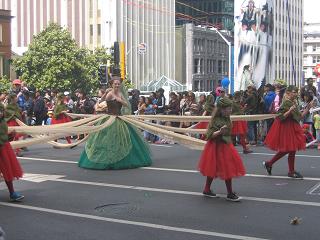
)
(116, 53)
(122, 61)
(103, 74)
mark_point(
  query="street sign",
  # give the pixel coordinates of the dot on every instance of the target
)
(142, 48)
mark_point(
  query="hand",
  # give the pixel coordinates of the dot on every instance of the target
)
(223, 130)
(293, 107)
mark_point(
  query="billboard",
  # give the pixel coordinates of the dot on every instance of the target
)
(253, 33)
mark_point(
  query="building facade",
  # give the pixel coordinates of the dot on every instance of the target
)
(311, 49)
(202, 57)
(5, 42)
(288, 42)
(95, 23)
(219, 13)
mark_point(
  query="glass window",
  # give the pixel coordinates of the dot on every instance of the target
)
(0, 33)
(196, 65)
(219, 66)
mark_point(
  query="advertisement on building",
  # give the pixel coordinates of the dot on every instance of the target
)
(253, 42)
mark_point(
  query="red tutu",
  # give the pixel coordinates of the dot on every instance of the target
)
(10, 168)
(239, 128)
(285, 136)
(201, 125)
(61, 119)
(221, 160)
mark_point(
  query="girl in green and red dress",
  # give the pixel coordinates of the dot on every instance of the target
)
(286, 135)
(219, 158)
(12, 113)
(239, 128)
(59, 113)
(10, 168)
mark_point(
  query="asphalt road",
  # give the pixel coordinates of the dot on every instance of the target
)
(164, 201)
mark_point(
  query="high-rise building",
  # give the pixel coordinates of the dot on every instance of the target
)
(146, 28)
(311, 51)
(202, 57)
(288, 41)
(217, 13)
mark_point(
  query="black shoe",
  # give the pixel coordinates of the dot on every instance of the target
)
(246, 151)
(233, 197)
(209, 194)
(268, 168)
(295, 175)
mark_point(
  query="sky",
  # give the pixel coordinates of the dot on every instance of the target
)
(311, 11)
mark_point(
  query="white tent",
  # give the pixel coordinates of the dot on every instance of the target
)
(165, 83)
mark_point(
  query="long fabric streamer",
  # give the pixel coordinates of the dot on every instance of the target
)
(88, 124)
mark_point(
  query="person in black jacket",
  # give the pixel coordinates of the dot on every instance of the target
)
(161, 101)
(39, 109)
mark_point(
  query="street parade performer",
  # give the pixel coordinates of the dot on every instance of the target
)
(219, 157)
(119, 146)
(239, 128)
(13, 112)
(59, 113)
(10, 168)
(286, 135)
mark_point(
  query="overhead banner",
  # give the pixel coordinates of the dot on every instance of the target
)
(253, 33)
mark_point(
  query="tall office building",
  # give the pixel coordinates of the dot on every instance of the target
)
(146, 28)
(218, 13)
(288, 41)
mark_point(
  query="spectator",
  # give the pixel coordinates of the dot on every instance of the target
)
(28, 107)
(201, 103)
(39, 108)
(84, 105)
(161, 101)
(134, 101)
(308, 87)
(141, 106)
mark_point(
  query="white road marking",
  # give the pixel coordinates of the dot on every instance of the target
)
(168, 169)
(127, 222)
(315, 190)
(38, 178)
(161, 145)
(161, 190)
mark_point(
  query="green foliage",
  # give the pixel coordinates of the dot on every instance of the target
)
(54, 61)
(5, 84)
(127, 83)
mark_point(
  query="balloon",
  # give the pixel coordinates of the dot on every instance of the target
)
(225, 82)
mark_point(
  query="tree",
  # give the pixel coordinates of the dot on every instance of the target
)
(5, 84)
(54, 61)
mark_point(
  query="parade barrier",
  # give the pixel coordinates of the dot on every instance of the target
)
(88, 124)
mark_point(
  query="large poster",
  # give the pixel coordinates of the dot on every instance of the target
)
(253, 42)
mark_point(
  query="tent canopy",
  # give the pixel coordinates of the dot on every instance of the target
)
(164, 82)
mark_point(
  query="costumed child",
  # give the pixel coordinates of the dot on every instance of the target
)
(10, 168)
(59, 113)
(219, 158)
(316, 120)
(13, 112)
(286, 135)
(239, 128)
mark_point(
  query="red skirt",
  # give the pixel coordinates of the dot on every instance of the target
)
(221, 160)
(10, 168)
(285, 136)
(61, 119)
(239, 128)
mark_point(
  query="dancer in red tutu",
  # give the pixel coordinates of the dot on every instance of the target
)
(286, 135)
(59, 113)
(239, 128)
(219, 158)
(12, 112)
(10, 168)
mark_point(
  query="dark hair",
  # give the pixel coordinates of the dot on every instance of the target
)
(143, 98)
(148, 100)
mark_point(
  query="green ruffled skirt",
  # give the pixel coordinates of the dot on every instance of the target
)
(119, 146)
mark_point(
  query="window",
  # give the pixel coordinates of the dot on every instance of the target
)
(1, 66)
(196, 65)
(219, 66)
(0, 33)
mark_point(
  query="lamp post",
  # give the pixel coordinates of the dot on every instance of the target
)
(230, 57)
